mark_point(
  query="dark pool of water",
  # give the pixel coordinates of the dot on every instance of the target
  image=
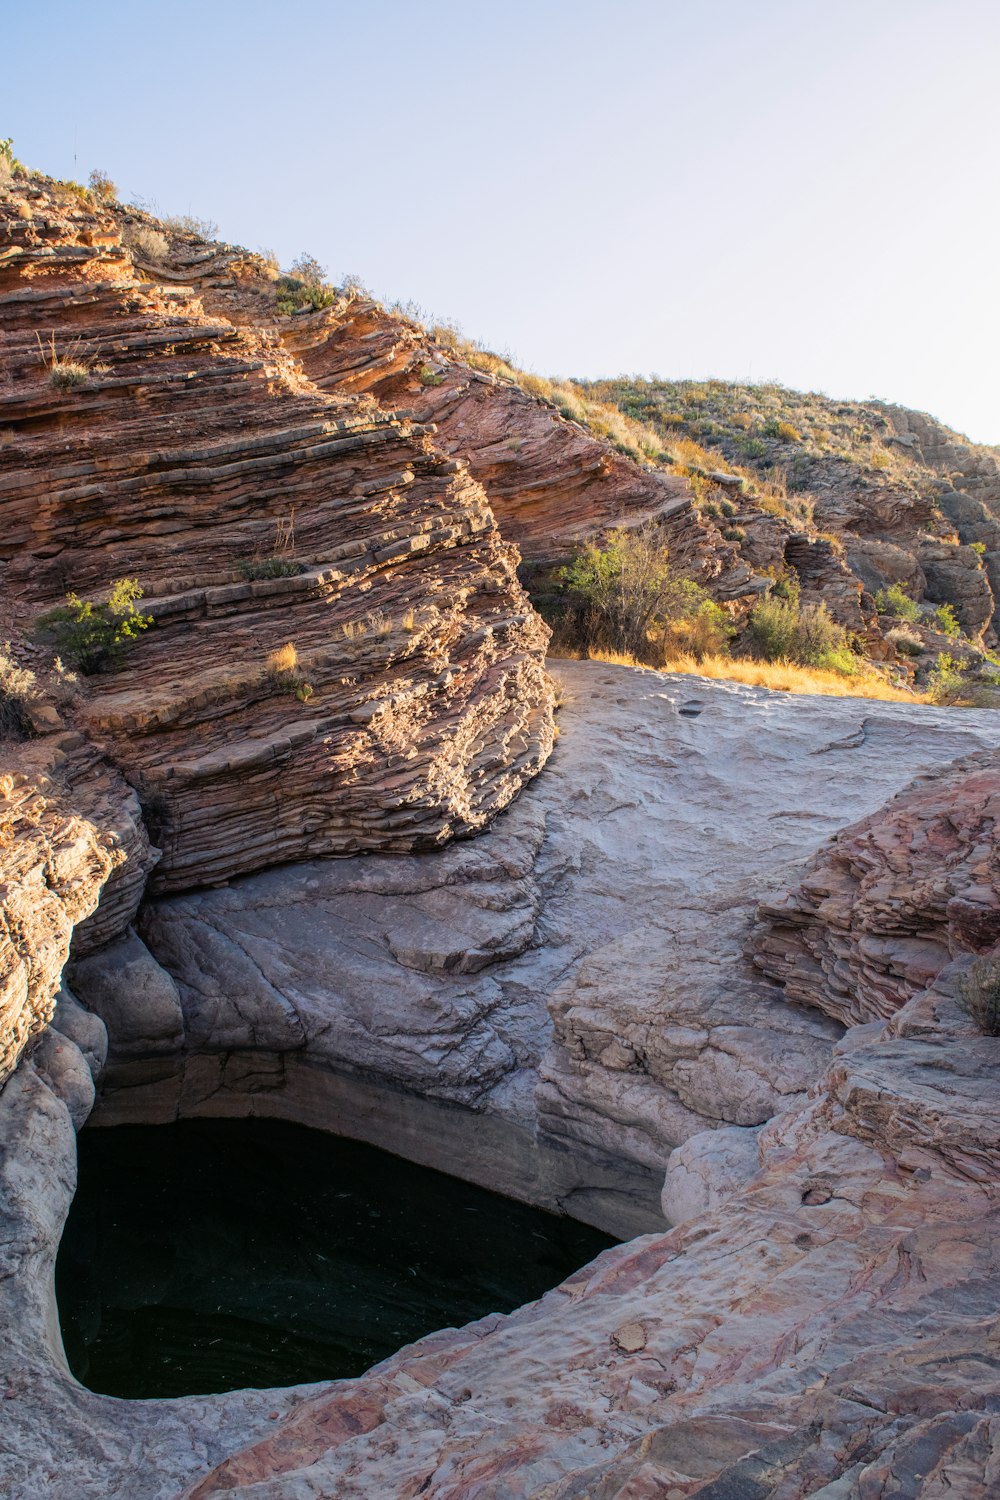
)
(216, 1254)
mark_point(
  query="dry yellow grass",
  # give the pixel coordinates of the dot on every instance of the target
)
(777, 676)
(285, 659)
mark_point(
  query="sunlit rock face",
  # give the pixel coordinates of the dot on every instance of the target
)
(409, 703)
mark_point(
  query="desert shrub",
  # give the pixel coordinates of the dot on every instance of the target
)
(905, 641)
(894, 600)
(734, 534)
(782, 629)
(202, 229)
(427, 375)
(147, 243)
(284, 659)
(281, 671)
(65, 374)
(703, 631)
(770, 632)
(18, 690)
(819, 639)
(979, 547)
(294, 295)
(268, 567)
(307, 269)
(754, 447)
(623, 593)
(68, 367)
(946, 682)
(94, 637)
(9, 164)
(979, 994)
(102, 187)
(784, 430)
(946, 620)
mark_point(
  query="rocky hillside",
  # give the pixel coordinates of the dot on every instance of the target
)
(897, 497)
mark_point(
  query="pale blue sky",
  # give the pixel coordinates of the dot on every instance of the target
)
(797, 190)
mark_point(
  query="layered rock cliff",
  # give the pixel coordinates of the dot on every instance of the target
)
(190, 454)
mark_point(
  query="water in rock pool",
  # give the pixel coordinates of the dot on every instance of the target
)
(215, 1254)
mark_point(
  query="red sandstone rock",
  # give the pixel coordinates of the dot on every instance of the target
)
(892, 899)
(419, 704)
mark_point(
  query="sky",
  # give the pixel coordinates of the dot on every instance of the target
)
(794, 190)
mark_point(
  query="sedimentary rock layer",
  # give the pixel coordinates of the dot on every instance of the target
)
(70, 830)
(893, 899)
(189, 454)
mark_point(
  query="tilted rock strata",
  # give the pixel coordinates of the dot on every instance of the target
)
(551, 483)
(70, 835)
(193, 448)
(893, 899)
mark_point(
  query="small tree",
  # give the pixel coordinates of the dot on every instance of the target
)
(103, 188)
(306, 268)
(621, 592)
(94, 637)
(979, 994)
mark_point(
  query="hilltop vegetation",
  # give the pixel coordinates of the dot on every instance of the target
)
(851, 538)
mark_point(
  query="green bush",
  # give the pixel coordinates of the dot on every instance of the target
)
(94, 637)
(979, 995)
(780, 629)
(894, 600)
(979, 547)
(946, 682)
(294, 294)
(754, 447)
(624, 594)
(770, 632)
(947, 620)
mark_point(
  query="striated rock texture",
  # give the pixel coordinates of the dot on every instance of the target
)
(830, 1330)
(893, 899)
(551, 483)
(189, 454)
(70, 835)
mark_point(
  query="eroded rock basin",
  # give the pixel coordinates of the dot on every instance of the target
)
(218, 1254)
